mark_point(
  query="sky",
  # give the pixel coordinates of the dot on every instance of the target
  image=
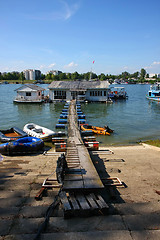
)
(103, 36)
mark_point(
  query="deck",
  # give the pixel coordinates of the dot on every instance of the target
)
(80, 173)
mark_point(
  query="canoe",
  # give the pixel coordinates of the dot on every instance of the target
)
(37, 131)
(20, 146)
(12, 134)
(96, 130)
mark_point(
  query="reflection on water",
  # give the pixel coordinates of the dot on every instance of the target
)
(132, 120)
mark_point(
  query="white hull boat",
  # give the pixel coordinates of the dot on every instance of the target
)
(35, 130)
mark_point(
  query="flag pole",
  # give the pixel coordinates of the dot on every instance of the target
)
(91, 72)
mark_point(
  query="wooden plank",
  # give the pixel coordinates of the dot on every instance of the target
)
(101, 202)
(92, 202)
(74, 202)
(64, 201)
(82, 201)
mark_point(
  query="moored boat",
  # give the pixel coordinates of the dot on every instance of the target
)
(97, 130)
(20, 146)
(12, 134)
(35, 130)
(117, 93)
(154, 92)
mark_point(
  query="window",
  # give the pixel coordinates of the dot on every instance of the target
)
(104, 93)
(59, 94)
(28, 93)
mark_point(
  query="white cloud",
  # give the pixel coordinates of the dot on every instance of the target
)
(154, 66)
(45, 67)
(64, 12)
(51, 65)
(69, 10)
(155, 63)
(70, 65)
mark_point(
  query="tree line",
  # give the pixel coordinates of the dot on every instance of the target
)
(126, 76)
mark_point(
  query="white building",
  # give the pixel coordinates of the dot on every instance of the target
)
(31, 74)
(29, 93)
(92, 91)
(54, 72)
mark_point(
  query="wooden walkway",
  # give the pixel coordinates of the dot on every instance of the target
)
(80, 173)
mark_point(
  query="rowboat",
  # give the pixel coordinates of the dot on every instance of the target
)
(20, 146)
(37, 131)
(12, 134)
(97, 130)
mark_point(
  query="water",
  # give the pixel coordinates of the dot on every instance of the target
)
(133, 119)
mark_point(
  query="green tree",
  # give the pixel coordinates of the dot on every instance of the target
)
(74, 76)
(22, 77)
(102, 76)
(142, 73)
(62, 76)
(49, 76)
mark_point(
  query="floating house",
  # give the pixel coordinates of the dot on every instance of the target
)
(29, 93)
(81, 90)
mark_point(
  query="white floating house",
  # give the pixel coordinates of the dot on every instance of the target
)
(91, 91)
(29, 93)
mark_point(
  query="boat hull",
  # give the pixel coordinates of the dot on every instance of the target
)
(37, 131)
(153, 98)
(22, 146)
(95, 130)
(12, 134)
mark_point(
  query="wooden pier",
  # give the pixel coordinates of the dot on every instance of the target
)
(81, 173)
(80, 194)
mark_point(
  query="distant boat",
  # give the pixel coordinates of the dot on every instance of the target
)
(154, 92)
(37, 131)
(12, 134)
(117, 93)
(22, 146)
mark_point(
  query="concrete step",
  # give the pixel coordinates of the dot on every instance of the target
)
(95, 235)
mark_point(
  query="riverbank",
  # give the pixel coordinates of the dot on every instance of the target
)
(134, 207)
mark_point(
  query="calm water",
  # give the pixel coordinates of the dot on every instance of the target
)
(132, 120)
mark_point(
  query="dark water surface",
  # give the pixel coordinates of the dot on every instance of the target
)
(133, 119)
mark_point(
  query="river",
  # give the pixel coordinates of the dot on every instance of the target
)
(133, 119)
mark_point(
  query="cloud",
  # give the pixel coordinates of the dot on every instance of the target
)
(51, 65)
(154, 66)
(70, 65)
(43, 67)
(69, 10)
(63, 12)
(155, 63)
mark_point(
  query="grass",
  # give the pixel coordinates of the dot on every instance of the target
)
(153, 142)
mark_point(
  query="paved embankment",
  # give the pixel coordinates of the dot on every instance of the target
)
(135, 208)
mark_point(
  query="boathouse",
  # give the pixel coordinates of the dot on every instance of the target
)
(29, 93)
(81, 90)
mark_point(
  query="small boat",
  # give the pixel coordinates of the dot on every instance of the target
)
(154, 92)
(117, 93)
(35, 130)
(20, 146)
(97, 130)
(12, 134)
